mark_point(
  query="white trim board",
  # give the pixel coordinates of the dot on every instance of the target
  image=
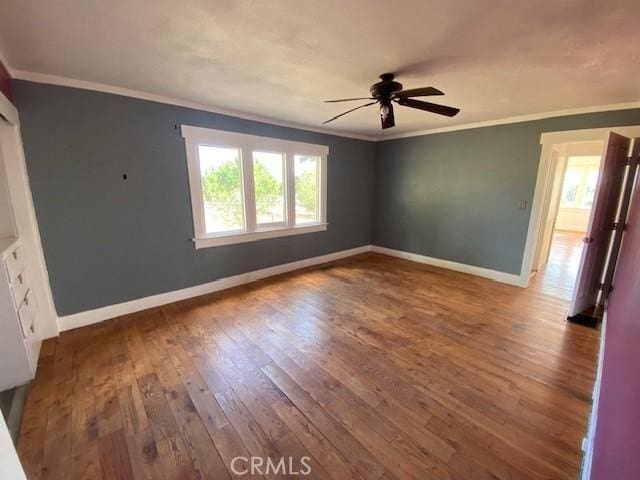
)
(518, 119)
(589, 439)
(501, 277)
(8, 111)
(89, 317)
(126, 92)
(102, 87)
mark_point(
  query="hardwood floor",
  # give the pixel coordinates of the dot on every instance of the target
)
(558, 276)
(374, 367)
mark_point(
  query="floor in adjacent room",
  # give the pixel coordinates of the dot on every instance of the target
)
(375, 367)
(558, 276)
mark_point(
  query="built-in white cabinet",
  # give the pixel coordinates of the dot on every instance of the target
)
(27, 314)
(19, 342)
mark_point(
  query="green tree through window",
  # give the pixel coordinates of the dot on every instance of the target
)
(306, 188)
(221, 186)
(307, 191)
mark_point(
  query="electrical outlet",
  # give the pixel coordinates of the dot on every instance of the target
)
(522, 204)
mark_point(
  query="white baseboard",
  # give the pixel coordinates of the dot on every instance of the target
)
(89, 317)
(501, 277)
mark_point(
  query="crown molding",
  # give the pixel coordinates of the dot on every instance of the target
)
(106, 88)
(126, 92)
(518, 119)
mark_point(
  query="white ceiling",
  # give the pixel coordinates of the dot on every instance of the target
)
(280, 59)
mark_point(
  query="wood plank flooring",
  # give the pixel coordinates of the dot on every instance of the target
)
(374, 367)
(558, 276)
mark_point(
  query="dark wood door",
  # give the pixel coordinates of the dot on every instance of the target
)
(598, 239)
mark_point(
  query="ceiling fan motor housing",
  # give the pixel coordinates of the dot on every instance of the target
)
(383, 90)
(387, 90)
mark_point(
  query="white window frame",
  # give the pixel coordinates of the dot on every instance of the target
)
(197, 136)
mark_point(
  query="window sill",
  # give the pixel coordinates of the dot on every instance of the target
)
(232, 238)
(582, 209)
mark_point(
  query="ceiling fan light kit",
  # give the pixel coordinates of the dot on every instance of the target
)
(387, 91)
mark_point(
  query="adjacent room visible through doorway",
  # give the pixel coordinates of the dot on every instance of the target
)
(573, 186)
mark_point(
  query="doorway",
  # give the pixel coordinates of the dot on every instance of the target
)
(590, 286)
(573, 182)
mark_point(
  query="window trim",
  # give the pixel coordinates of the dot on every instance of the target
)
(197, 136)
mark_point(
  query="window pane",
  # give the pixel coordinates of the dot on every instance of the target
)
(221, 188)
(268, 178)
(307, 188)
(570, 186)
(590, 188)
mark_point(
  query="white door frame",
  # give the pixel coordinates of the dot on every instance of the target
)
(558, 181)
(547, 140)
(559, 150)
(25, 216)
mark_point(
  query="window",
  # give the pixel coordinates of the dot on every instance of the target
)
(590, 188)
(221, 177)
(246, 188)
(307, 178)
(580, 181)
(572, 179)
(268, 181)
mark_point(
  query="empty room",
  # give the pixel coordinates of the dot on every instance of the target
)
(319, 239)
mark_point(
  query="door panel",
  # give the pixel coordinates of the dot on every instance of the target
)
(621, 220)
(603, 214)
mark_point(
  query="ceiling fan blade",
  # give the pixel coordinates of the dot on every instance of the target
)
(348, 99)
(388, 121)
(418, 92)
(429, 107)
(348, 111)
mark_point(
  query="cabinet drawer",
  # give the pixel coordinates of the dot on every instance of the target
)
(15, 265)
(27, 314)
(19, 288)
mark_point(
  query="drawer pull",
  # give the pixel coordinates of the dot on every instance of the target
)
(20, 279)
(27, 314)
(14, 265)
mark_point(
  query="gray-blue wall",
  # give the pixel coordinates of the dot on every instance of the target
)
(107, 240)
(454, 195)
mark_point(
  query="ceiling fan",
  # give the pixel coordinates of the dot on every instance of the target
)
(387, 91)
